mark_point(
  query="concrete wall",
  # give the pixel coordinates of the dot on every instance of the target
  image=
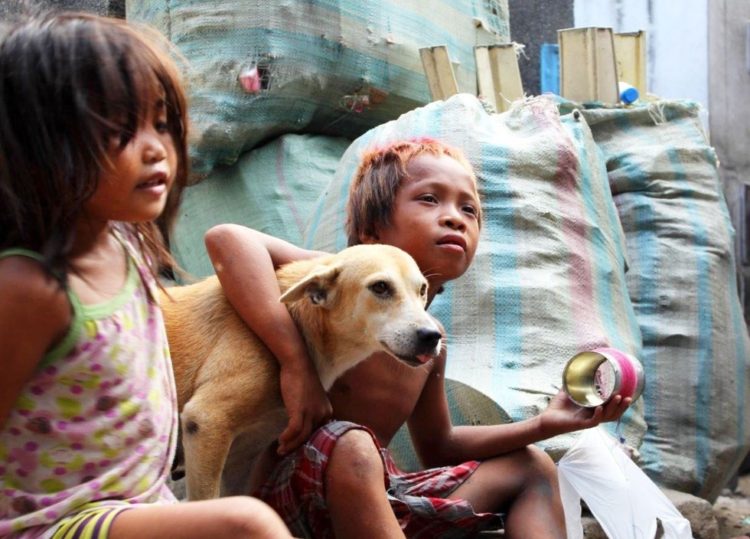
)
(533, 22)
(697, 50)
(677, 40)
(677, 37)
(729, 117)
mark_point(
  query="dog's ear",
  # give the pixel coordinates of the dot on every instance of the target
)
(317, 285)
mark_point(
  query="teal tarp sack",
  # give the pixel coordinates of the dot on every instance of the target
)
(548, 278)
(273, 189)
(682, 283)
(335, 67)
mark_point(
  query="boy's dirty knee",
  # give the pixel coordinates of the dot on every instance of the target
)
(539, 465)
(355, 458)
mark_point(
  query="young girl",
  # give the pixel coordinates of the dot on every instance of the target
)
(92, 150)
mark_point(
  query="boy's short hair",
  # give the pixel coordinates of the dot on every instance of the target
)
(372, 193)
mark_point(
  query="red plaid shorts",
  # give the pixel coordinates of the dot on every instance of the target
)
(295, 490)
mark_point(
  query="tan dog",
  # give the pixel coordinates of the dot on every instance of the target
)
(365, 299)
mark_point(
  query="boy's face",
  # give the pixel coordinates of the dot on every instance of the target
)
(435, 218)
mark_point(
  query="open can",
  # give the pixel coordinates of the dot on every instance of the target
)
(592, 377)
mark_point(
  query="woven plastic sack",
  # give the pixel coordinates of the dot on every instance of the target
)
(682, 283)
(273, 189)
(336, 67)
(548, 277)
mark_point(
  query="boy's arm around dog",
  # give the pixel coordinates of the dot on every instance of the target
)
(439, 443)
(245, 261)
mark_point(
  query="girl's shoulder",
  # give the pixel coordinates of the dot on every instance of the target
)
(33, 304)
(24, 277)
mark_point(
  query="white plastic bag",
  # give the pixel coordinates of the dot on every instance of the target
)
(621, 497)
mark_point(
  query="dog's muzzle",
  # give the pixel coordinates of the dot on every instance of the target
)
(428, 341)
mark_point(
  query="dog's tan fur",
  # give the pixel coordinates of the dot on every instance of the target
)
(365, 299)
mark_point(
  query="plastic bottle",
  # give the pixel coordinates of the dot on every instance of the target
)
(628, 94)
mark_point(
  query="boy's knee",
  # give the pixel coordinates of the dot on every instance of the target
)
(355, 457)
(540, 465)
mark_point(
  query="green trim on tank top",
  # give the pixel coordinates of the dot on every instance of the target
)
(82, 312)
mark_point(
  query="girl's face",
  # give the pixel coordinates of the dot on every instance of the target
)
(435, 218)
(135, 182)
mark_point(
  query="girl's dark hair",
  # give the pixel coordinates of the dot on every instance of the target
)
(68, 83)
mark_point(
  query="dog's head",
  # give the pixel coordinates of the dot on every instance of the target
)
(365, 299)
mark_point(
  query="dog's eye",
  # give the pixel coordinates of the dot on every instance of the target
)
(423, 290)
(381, 288)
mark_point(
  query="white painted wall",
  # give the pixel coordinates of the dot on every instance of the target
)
(677, 40)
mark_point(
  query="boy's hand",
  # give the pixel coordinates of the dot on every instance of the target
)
(563, 415)
(306, 403)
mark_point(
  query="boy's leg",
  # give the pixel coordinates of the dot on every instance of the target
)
(524, 485)
(355, 490)
(335, 484)
(229, 518)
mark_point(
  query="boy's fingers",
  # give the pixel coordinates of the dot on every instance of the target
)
(294, 430)
(284, 439)
(290, 444)
(623, 406)
(594, 416)
(616, 407)
(299, 428)
(610, 411)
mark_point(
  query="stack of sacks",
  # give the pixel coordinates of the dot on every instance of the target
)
(338, 67)
(682, 283)
(548, 278)
(273, 189)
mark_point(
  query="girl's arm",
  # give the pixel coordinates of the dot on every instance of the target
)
(245, 261)
(438, 443)
(34, 316)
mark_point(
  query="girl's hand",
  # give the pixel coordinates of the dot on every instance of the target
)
(563, 415)
(306, 403)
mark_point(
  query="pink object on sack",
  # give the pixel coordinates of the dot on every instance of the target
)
(250, 80)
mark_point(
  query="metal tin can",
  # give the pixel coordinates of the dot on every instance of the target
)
(592, 377)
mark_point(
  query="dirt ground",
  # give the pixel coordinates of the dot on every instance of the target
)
(732, 510)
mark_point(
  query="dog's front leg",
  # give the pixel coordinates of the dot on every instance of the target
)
(206, 439)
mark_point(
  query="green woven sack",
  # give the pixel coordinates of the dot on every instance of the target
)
(336, 67)
(272, 189)
(682, 283)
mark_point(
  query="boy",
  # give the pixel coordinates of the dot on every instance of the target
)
(420, 196)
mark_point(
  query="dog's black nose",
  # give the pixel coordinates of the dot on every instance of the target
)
(428, 339)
